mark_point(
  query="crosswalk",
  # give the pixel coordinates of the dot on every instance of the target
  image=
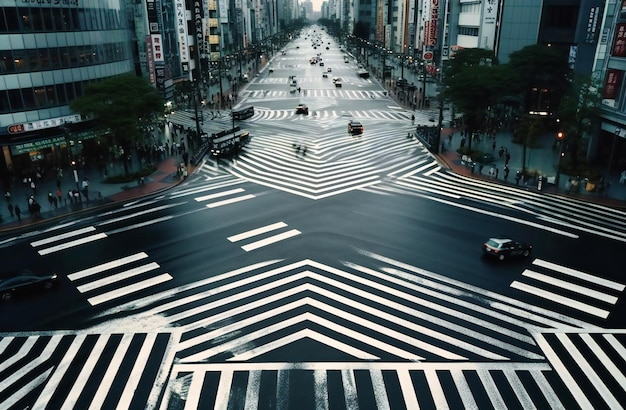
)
(543, 210)
(83, 370)
(312, 80)
(252, 95)
(331, 165)
(260, 232)
(372, 329)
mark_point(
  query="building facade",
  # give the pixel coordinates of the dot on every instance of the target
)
(49, 53)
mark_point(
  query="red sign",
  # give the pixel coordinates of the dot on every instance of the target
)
(613, 84)
(619, 45)
(428, 55)
(16, 129)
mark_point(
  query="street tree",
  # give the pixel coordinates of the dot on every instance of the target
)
(124, 104)
(474, 82)
(540, 75)
(576, 113)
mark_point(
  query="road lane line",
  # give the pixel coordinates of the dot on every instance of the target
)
(114, 294)
(258, 231)
(563, 300)
(581, 275)
(136, 214)
(563, 284)
(270, 240)
(219, 194)
(106, 266)
(62, 236)
(71, 244)
(349, 389)
(117, 277)
(229, 201)
(253, 390)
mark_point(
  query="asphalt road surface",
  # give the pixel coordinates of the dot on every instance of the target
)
(347, 276)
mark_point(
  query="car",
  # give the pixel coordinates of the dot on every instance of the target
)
(324, 75)
(321, 64)
(338, 84)
(503, 248)
(355, 127)
(302, 109)
(327, 48)
(24, 280)
(329, 69)
(244, 77)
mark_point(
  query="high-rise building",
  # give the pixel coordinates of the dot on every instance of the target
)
(49, 53)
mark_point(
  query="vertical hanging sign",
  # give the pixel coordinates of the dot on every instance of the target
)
(181, 34)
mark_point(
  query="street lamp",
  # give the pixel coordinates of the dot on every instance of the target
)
(618, 131)
(561, 137)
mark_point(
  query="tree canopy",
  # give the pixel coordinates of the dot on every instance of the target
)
(125, 104)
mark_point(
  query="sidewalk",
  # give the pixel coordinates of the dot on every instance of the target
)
(100, 194)
(542, 159)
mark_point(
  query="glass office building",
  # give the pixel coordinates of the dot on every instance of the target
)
(49, 51)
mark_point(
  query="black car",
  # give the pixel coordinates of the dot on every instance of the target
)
(24, 281)
(503, 248)
(302, 109)
(355, 127)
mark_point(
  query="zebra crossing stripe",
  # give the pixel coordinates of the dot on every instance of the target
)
(563, 300)
(272, 239)
(321, 389)
(117, 277)
(219, 194)
(408, 391)
(71, 244)
(380, 393)
(464, 390)
(349, 389)
(439, 396)
(135, 375)
(106, 266)
(59, 372)
(581, 275)
(26, 389)
(195, 389)
(135, 287)
(258, 231)
(253, 390)
(490, 387)
(614, 371)
(74, 393)
(60, 237)
(588, 371)
(23, 352)
(563, 284)
(230, 201)
(109, 376)
(223, 390)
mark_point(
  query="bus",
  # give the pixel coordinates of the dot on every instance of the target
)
(243, 113)
(229, 144)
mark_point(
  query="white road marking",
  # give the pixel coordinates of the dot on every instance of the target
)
(581, 275)
(563, 300)
(229, 201)
(71, 244)
(272, 239)
(135, 287)
(219, 194)
(258, 231)
(563, 284)
(62, 236)
(106, 266)
(117, 277)
(135, 375)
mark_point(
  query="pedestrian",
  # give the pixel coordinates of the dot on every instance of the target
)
(507, 157)
(443, 147)
(492, 171)
(450, 139)
(55, 202)
(501, 152)
(7, 196)
(85, 186)
(412, 118)
(493, 146)
(50, 197)
(506, 172)
(462, 142)
(18, 212)
(480, 169)
(10, 206)
(59, 195)
(497, 172)
(33, 186)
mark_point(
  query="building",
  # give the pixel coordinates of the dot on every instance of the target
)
(49, 53)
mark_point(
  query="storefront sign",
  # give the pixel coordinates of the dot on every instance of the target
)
(36, 145)
(39, 125)
(181, 31)
(619, 45)
(612, 86)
